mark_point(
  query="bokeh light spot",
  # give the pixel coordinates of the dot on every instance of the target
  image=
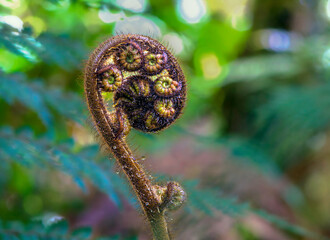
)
(241, 23)
(327, 7)
(275, 40)
(326, 58)
(38, 24)
(174, 42)
(108, 17)
(137, 25)
(13, 21)
(133, 5)
(192, 11)
(210, 66)
(10, 3)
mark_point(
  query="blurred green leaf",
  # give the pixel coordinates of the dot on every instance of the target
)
(38, 97)
(293, 113)
(14, 89)
(41, 153)
(34, 230)
(20, 43)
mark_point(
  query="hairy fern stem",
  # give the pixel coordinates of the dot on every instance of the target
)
(149, 91)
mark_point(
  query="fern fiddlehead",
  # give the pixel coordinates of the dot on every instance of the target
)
(148, 90)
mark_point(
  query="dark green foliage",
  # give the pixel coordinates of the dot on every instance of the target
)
(26, 94)
(30, 152)
(288, 226)
(38, 230)
(206, 200)
(262, 68)
(293, 113)
(68, 60)
(20, 43)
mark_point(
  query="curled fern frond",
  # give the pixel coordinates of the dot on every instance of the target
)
(148, 84)
(148, 90)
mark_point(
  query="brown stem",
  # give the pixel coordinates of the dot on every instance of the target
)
(142, 186)
(144, 190)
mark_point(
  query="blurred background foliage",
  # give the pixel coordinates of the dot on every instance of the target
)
(252, 148)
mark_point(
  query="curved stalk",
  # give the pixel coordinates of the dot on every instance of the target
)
(113, 127)
(140, 182)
